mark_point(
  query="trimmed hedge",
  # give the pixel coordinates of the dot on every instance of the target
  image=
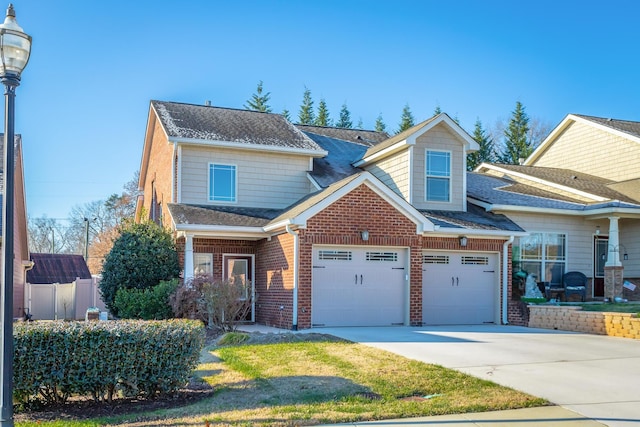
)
(147, 304)
(56, 360)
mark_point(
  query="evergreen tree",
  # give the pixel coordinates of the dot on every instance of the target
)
(286, 114)
(437, 111)
(259, 101)
(360, 125)
(345, 118)
(406, 121)
(322, 119)
(517, 144)
(306, 115)
(380, 126)
(486, 153)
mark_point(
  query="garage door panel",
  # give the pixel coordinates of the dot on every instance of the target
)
(363, 287)
(459, 288)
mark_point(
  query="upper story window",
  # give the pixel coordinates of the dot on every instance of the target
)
(438, 176)
(222, 183)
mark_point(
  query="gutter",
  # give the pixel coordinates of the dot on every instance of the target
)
(296, 255)
(505, 280)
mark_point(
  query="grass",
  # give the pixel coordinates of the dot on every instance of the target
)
(613, 307)
(305, 383)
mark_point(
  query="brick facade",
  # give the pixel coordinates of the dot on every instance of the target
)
(338, 224)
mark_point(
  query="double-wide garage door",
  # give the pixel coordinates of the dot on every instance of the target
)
(355, 286)
(459, 288)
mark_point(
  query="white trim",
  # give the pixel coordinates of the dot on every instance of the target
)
(544, 182)
(222, 231)
(176, 179)
(235, 181)
(250, 146)
(383, 153)
(593, 213)
(410, 180)
(313, 182)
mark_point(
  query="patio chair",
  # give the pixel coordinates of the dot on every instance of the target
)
(575, 282)
(553, 288)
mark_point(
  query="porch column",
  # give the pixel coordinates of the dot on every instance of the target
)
(188, 257)
(613, 269)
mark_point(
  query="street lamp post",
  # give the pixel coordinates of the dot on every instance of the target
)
(15, 48)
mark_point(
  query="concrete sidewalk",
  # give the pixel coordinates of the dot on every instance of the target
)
(548, 416)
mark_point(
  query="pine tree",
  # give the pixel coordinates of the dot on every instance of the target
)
(437, 111)
(406, 121)
(360, 125)
(322, 119)
(380, 126)
(306, 115)
(286, 114)
(259, 101)
(517, 144)
(345, 118)
(486, 153)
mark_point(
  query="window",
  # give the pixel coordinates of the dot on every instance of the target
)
(334, 255)
(544, 254)
(382, 256)
(202, 264)
(438, 176)
(222, 183)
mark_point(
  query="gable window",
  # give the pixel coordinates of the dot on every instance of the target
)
(438, 176)
(544, 254)
(222, 183)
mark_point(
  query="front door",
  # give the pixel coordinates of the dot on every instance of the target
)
(239, 268)
(600, 249)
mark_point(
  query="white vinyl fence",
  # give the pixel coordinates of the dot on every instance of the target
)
(59, 301)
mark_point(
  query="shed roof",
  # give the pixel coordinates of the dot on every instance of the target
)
(57, 268)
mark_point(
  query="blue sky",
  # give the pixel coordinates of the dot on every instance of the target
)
(95, 65)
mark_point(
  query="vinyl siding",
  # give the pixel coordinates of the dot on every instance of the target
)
(439, 138)
(580, 235)
(393, 171)
(265, 180)
(587, 149)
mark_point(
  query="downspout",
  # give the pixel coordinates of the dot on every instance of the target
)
(505, 280)
(296, 250)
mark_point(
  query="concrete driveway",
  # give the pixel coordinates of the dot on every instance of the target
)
(596, 376)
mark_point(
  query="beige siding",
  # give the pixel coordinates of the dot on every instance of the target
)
(442, 139)
(580, 236)
(587, 149)
(393, 171)
(265, 180)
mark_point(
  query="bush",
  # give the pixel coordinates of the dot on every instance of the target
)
(146, 304)
(56, 360)
(142, 256)
(221, 304)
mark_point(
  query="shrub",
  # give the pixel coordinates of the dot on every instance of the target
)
(221, 304)
(146, 304)
(142, 256)
(56, 360)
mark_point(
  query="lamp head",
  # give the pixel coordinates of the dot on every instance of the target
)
(15, 46)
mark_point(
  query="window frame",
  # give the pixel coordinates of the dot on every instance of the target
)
(196, 263)
(431, 176)
(210, 183)
(542, 256)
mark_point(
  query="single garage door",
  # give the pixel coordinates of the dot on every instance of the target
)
(355, 286)
(459, 288)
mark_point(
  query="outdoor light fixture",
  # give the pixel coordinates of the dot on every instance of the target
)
(463, 241)
(15, 48)
(364, 234)
(597, 230)
(625, 257)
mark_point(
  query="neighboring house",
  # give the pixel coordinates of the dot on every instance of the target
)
(332, 227)
(60, 286)
(21, 261)
(578, 195)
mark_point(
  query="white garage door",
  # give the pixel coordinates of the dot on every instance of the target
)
(354, 286)
(459, 288)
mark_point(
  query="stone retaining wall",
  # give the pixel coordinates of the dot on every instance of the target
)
(625, 325)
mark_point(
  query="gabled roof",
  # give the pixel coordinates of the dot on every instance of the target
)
(624, 128)
(57, 268)
(337, 164)
(225, 126)
(368, 138)
(475, 218)
(408, 137)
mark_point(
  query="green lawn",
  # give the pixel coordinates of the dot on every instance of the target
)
(306, 383)
(631, 307)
